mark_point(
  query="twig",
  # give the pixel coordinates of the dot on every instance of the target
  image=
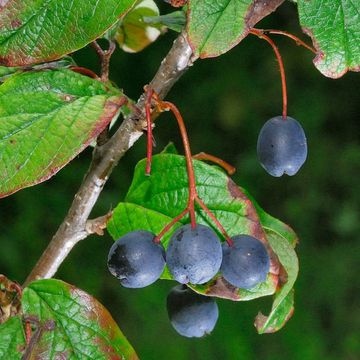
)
(104, 56)
(105, 158)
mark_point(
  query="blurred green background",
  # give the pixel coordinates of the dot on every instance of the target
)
(225, 101)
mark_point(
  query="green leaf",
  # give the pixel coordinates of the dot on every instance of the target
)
(12, 339)
(35, 31)
(75, 325)
(334, 27)
(214, 27)
(283, 305)
(7, 71)
(152, 201)
(133, 34)
(170, 148)
(46, 119)
(268, 222)
(129, 217)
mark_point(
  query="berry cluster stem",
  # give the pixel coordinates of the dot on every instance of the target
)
(193, 195)
(261, 35)
(166, 105)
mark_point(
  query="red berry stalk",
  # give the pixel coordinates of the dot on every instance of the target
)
(193, 195)
(261, 35)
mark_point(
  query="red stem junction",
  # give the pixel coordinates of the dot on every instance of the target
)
(289, 35)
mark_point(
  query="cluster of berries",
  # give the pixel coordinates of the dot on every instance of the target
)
(194, 255)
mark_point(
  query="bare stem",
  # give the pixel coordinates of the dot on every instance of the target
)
(291, 36)
(188, 158)
(104, 56)
(261, 35)
(105, 157)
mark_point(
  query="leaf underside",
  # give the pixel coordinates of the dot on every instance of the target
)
(35, 31)
(153, 201)
(46, 118)
(334, 27)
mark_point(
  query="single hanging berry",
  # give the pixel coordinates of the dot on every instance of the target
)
(281, 146)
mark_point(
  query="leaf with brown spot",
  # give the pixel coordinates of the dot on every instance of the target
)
(47, 117)
(83, 328)
(334, 28)
(283, 305)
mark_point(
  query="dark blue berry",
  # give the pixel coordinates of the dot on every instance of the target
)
(136, 260)
(194, 255)
(245, 263)
(281, 146)
(191, 314)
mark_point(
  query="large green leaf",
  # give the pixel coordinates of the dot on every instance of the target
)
(283, 305)
(152, 201)
(74, 324)
(12, 339)
(46, 118)
(269, 223)
(215, 27)
(34, 31)
(334, 27)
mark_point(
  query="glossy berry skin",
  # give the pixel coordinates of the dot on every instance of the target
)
(194, 255)
(281, 146)
(191, 314)
(136, 260)
(245, 263)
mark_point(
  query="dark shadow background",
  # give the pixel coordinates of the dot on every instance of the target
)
(225, 101)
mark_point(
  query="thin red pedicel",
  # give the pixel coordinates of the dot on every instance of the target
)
(261, 35)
